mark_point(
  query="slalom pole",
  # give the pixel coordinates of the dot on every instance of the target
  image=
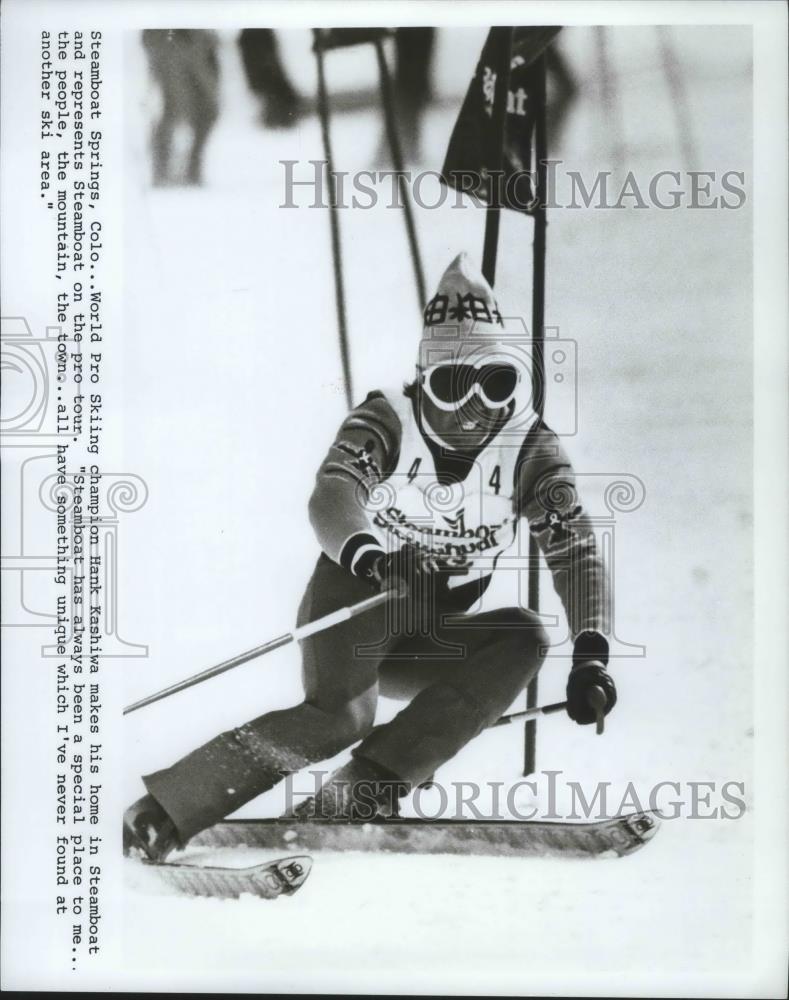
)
(495, 154)
(397, 158)
(609, 95)
(538, 370)
(300, 632)
(334, 222)
(679, 99)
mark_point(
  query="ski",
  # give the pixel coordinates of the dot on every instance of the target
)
(515, 838)
(266, 881)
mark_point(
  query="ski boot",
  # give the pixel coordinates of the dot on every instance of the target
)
(149, 831)
(360, 790)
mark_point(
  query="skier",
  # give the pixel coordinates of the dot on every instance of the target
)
(421, 494)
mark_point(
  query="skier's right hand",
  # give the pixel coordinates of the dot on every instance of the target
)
(404, 571)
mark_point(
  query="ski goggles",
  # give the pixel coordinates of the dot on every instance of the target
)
(451, 385)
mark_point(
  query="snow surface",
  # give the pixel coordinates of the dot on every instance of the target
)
(233, 394)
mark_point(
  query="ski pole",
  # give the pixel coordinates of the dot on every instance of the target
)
(597, 701)
(530, 713)
(301, 632)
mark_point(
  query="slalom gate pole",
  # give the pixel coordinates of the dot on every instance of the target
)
(609, 95)
(679, 97)
(397, 159)
(538, 367)
(334, 221)
(301, 632)
(495, 154)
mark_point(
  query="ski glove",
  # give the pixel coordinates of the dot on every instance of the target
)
(583, 677)
(405, 570)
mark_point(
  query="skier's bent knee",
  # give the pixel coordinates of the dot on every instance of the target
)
(527, 636)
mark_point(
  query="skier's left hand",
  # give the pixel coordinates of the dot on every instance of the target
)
(584, 676)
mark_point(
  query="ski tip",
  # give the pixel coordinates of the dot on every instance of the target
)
(268, 880)
(642, 827)
(293, 872)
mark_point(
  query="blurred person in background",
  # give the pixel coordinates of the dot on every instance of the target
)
(412, 90)
(414, 48)
(185, 66)
(280, 105)
(562, 90)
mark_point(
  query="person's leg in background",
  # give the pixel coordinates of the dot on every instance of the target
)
(159, 49)
(267, 78)
(203, 83)
(185, 66)
(412, 84)
(563, 90)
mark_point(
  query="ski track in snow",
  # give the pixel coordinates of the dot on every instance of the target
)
(234, 295)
